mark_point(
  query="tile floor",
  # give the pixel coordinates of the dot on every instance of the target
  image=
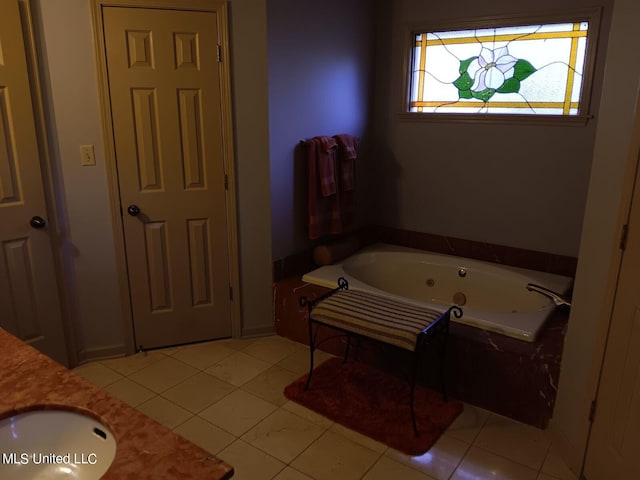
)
(226, 396)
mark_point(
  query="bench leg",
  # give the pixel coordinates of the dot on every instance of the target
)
(443, 356)
(412, 386)
(346, 350)
(312, 347)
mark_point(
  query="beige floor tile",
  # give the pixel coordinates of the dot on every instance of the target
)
(272, 349)
(269, 385)
(307, 414)
(514, 440)
(363, 440)
(238, 368)
(544, 476)
(556, 467)
(298, 361)
(238, 412)
(387, 469)
(439, 462)
(237, 343)
(198, 392)
(250, 463)
(334, 457)
(131, 364)
(205, 435)
(203, 355)
(168, 350)
(98, 374)
(468, 424)
(164, 412)
(283, 435)
(130, 392)
(479, 464)
(291, 474)
(163, 374)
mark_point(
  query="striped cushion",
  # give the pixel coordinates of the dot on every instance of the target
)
(373, 316)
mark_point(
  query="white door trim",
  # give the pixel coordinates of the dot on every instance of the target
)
(53, 209)
(220, 7)
(629, 187)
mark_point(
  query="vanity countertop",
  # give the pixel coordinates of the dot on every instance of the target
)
(145, 449)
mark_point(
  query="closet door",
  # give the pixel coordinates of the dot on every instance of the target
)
(164, 88)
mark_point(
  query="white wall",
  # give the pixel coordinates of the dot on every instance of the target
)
(72, 102)
(251, 117)
(516, 185)
(71, 94)
(599, 255)
(320, 83)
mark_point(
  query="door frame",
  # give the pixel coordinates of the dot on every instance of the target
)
(629, 189)
(49, 174)
(220, 7)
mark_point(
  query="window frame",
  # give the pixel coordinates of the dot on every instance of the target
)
(591, 15)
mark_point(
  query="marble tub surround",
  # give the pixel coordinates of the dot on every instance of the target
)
(302, 262)
(145, 449)
(502, 374)
(501, 254)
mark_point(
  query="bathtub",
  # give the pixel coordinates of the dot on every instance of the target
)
(493, 297)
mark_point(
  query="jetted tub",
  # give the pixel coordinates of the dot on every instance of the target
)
(493, 297)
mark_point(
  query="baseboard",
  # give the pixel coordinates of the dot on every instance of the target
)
(258, 331)
(101, 353)
(571, 456)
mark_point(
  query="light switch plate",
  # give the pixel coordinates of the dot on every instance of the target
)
(87, 155)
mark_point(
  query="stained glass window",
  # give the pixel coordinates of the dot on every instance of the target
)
(527, 69)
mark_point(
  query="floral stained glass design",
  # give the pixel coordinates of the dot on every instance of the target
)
(533, 69)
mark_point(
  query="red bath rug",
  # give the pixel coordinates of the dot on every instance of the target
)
(375, 404)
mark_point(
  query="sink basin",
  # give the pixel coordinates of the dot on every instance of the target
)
(54, 444)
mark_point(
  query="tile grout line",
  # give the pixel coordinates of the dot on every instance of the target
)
(507, 458)
(453, 472)
(374, 463)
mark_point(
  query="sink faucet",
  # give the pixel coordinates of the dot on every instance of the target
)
(556, 297)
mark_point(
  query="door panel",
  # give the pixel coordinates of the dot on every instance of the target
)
(29, 302)
(614, 442)
(164, 87)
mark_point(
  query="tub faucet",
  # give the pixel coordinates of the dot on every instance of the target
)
(556, 297)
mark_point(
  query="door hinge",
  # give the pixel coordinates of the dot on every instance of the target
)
(230, 292)
(592, 411)
(226, 181)
(623, 237)
(219, 53)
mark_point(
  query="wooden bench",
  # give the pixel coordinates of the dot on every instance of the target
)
(386, 320)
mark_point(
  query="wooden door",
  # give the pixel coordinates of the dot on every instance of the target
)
(614, 442)
(164, 87)
(29, 302)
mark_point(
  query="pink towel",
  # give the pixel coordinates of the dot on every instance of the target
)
(347, 154)
(323, 211)
(326, 158)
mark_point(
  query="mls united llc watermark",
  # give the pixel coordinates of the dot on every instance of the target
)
(26, 458)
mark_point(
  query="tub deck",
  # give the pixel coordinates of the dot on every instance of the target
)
(501, 303)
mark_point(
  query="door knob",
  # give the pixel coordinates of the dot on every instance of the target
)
(37, 222)
(133, 210)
